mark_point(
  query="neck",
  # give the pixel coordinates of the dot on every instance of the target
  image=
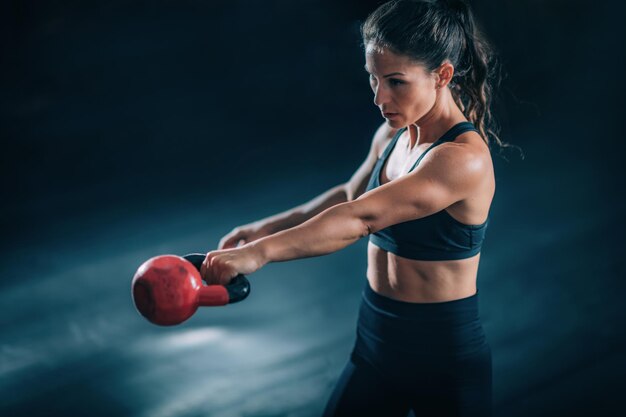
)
(440, 118)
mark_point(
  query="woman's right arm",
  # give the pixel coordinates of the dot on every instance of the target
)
(341, 193)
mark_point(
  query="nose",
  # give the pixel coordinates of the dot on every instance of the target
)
(381, 96)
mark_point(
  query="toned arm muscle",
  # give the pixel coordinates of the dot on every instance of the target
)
(448, 174)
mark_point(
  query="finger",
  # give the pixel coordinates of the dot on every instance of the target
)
(208, 269)
(229, 242)
(223, 243)
(203, 269)
(216, 272)
(226, 276)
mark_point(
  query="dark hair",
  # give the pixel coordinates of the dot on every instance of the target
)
(431, 31)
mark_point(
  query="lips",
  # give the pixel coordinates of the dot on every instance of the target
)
(389, 114)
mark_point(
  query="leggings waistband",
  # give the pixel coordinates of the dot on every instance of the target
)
(389, 325)
(463, 307)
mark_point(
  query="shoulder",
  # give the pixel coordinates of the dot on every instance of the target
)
(466, 161)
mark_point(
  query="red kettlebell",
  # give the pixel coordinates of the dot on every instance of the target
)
(168, 289)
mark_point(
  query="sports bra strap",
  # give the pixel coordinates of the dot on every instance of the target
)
(391, 145)
(449, 136)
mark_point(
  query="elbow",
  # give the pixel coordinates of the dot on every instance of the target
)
(363, 229)
(367, 230)
(359, 229)
(359, 224)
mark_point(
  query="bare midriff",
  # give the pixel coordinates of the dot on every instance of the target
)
(420, 281)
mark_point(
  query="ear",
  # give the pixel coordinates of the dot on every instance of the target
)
(444, 74)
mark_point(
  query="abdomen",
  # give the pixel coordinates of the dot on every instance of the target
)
(420, 281)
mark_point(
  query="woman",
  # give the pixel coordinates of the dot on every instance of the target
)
(422, 196)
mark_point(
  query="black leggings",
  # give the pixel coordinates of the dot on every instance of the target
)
(432, 358)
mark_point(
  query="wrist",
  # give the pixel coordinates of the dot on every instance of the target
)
(257, 249)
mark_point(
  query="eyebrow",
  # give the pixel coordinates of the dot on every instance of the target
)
(384, 76)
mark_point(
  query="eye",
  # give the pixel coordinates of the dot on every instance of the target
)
(392, 81)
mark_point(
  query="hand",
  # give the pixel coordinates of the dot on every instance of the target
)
(241, 235)
(221, 266)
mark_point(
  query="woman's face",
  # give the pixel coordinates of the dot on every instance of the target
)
(401, 87)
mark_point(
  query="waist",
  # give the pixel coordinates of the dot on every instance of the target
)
(463, 308)
(448, 327)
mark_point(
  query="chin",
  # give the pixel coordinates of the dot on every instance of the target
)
(395, 123)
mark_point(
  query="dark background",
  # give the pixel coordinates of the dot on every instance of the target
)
(131, 129)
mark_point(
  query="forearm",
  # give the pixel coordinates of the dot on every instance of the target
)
(306, 211)
(330, 231)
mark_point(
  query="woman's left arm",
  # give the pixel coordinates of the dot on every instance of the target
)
(446, 175)
(329, 231)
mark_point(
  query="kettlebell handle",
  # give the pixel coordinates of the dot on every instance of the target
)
(239, 287)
